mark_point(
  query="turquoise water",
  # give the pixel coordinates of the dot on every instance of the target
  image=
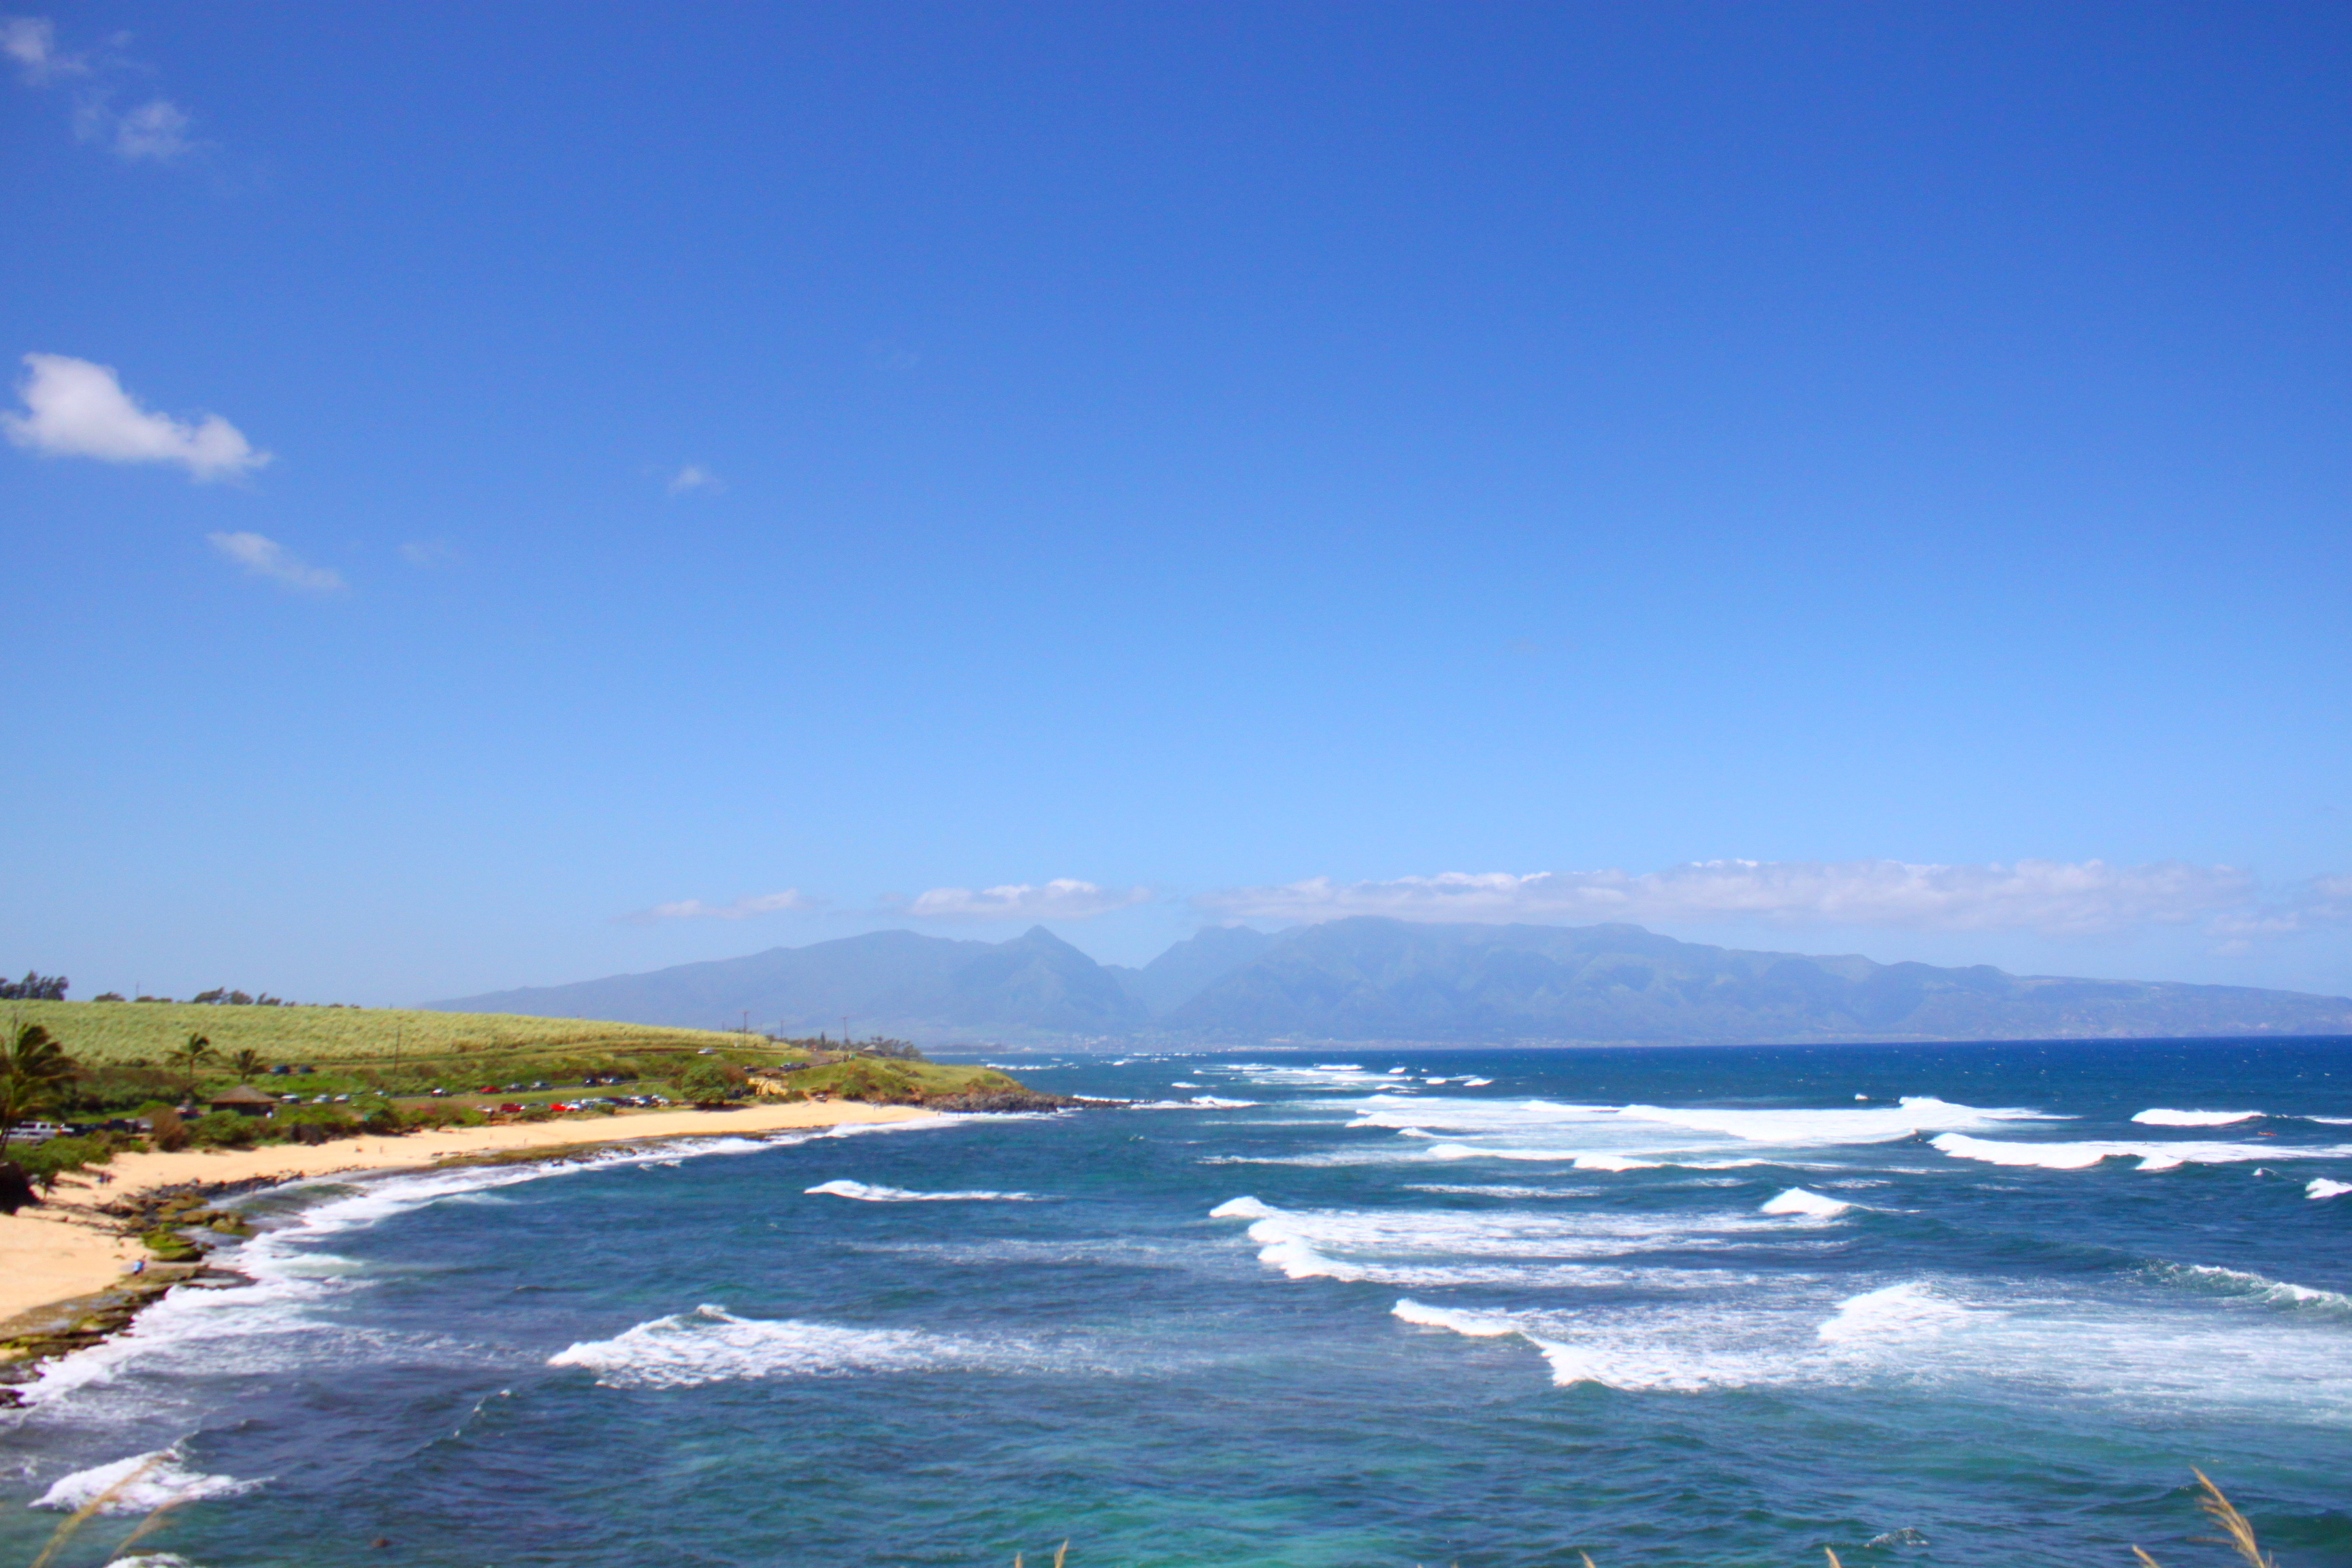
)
(1663, 1306)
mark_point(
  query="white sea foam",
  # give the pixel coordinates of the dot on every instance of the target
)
(867, 1192)
(1198, 1102)
(1799, 1201)
(1241, 1208)
(1476, 1082)
(2159, 1117)
(1892, 1312)
(140, 1484)
(2331, 1121)
(1629, 1137)
(710, 1344)
(2078, 1156)
(2321, 1187)
(1478, 1325)
(1180, 1083)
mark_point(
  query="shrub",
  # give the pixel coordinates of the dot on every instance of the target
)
(225, 1129)
(165, 1130)
(708, 1083)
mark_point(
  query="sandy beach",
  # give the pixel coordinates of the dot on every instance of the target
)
(65, 1249)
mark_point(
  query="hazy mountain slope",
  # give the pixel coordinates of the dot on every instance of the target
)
(1185, 970)
(885, 981)
(1380, 979)
(1374, 979)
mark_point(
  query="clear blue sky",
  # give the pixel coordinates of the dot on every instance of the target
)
(873, 451)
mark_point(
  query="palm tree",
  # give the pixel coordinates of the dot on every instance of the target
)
(247, 1065)
(34, 1073)
(192, 1057)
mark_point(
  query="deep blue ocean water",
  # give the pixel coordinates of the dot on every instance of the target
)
(1669, 1306)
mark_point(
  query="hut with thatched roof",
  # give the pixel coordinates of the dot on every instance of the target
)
(245, 1100)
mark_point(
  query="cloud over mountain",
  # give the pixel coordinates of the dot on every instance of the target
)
(1063, 898)
(2056, 897)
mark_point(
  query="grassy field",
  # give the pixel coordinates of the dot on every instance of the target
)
(103, 1033)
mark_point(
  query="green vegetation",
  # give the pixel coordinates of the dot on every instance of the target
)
(36, 1075)
(884, 1082)
(126, 1033)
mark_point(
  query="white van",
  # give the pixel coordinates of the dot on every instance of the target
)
(35, 1132)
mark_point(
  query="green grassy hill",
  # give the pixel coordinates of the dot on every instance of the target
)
(118, 1033)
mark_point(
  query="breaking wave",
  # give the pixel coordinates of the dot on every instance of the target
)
(140, 1484)
(2160, 1117)
(711, 1344)
(2080, 1156)
(1799, 1201)
(2321, 1187)
(865, 1192)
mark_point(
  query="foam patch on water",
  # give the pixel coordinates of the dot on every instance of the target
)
(1906, 1311)
(2152, 1156)
(2321, 1187)
(1415, 1248)
(1198, 1102)
(1241, 1208)
(711, 1344)
(2159, 1117)
(867, 1192)
(1802, 1200)
(140, 1484)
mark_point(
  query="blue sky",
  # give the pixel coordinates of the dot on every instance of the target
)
(683, 481)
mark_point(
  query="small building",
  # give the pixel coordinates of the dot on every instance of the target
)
(245, 1100)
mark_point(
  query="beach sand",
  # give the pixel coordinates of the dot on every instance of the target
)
(65, 1249)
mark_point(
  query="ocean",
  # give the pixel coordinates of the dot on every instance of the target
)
(1912, 1304)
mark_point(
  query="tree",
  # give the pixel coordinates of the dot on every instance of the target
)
(247, 1065)
(707, 1083)
(192, 1058)
(34, 987)
(35, 1073)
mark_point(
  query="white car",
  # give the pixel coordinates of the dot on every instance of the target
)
(35, 1132)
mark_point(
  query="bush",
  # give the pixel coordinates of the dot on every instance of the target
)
(225, 1129)
(165, 1130)
(708, 1083)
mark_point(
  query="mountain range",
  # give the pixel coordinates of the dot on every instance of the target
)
(1375, 979)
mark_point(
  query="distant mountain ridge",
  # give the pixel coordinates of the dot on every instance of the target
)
(1375, 979)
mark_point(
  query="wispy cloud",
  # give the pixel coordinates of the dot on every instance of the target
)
(156, 131)
(31, 42)
(266, 557)
(2055, 896)
(74, 408)
(695, 476)
(429, 553)
(743, 908)
(1062, 899)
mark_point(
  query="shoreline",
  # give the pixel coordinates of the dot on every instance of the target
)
(63, 1254)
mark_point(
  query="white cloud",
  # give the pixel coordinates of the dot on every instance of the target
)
(695, 476)
(2050, 896)
(156, 130)
(743, 908)
(268, 558)
(1059, 899)
(77, 409)
(32, 43)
